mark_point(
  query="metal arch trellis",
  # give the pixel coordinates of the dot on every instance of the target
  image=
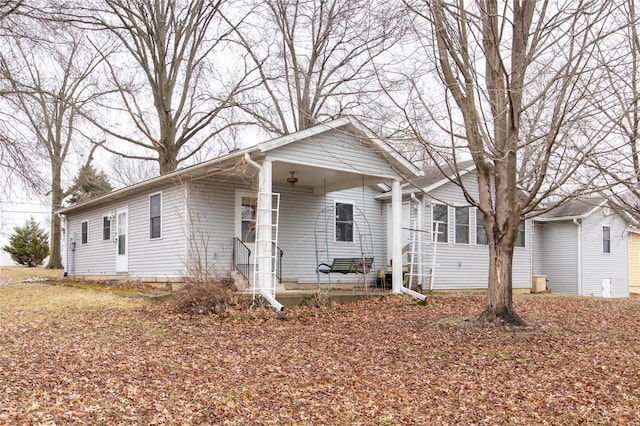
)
(324, 224)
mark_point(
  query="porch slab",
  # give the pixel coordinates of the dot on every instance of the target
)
(290, 298)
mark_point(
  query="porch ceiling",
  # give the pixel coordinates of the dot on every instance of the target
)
(321, 179)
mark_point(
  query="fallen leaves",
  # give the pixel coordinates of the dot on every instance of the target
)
(380, 362)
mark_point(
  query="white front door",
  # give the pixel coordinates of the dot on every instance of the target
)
(246, 211)
(122, 246)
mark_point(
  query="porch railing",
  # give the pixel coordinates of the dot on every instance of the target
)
(242, 258)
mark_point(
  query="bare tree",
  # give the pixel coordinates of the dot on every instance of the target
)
(313, 59)
(617, 100)
(50, 84)
(15, 167)
(164, 72)
(515, 79)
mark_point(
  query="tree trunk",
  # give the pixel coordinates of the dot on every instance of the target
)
(55, 254)
(499, 306)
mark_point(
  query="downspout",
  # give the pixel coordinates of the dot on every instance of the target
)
(264, 186)
(64, 225)
(578, 223)
(419, 239)
(396, 269)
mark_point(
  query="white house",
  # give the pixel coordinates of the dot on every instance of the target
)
(582, 248)
(282, 210)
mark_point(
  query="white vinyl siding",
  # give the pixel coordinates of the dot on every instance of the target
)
(163, 259)
(557, 255)
(335, 150)
(212, 227)
(466, 266)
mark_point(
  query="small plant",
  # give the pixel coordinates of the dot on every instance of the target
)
(29, 244)
(317, 300)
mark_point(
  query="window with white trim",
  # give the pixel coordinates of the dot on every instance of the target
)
(248, 211)
(520, 239)
(155, 215)
(440, 220)
(344, 222)
(106, 228)
(606, 239)
(481, 234)
(461, 218)
(84, 232)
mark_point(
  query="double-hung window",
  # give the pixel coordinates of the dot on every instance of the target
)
(106, 228)
(481, 234)
(84, 232)
(344, 222)
(440, 220)
(462, 225)
(520, 240)
(606, 239)
(155, 215)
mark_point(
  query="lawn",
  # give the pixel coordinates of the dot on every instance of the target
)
(74, 356)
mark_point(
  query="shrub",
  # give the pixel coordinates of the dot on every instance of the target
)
(203, 297)
(28, 245)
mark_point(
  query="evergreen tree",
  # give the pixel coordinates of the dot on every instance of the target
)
(88, 184)
(29, 244)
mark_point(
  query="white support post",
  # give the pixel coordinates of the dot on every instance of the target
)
(264, 228)
(396, 225)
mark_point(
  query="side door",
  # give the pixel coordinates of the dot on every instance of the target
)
(122, 246)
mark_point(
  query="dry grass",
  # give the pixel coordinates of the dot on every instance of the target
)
(39, 297)
(20, 273)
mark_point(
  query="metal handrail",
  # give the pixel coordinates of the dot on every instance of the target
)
(278, 260)
(241, 257)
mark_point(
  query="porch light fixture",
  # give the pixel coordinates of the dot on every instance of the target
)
(292, 179)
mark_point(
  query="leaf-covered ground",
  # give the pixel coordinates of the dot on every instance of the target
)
(72, 356)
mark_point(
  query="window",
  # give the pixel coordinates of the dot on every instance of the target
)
(248, 207)
(462, 225)
(439, 215)
(520, 240)
(344, 222)
(481, 234)
(155, 215)
(106, 228)
(84, 232)
(606, 239)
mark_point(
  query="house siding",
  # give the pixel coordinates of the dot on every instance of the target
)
(634, 263)
(212, 223)
(598, 265)
(147, 259)
(465, 266)
(557, 255)
(336, 150)
(158, 258)
(97, 257)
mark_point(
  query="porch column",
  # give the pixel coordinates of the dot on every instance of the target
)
(396, 232)
(264, 227)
